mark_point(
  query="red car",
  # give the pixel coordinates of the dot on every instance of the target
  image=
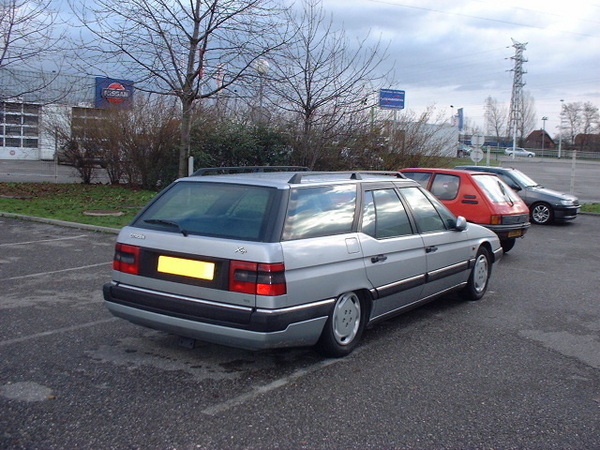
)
(479, 198)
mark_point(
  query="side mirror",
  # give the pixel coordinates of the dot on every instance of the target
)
(461, 224)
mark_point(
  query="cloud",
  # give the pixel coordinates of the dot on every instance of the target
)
(460, 52)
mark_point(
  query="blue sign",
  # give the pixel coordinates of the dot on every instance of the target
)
(461, 120)
(391, 98)
(111, 93)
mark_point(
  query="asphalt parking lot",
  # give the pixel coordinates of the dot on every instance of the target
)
(519, 369)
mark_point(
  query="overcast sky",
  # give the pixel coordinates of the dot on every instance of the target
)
(459, 52)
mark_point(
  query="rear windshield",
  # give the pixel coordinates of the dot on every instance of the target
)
(496, 189)
(211, 209)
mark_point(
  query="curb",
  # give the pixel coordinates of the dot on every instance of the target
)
(63, 223)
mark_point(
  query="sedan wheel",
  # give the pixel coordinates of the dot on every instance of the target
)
(346, 318)
(478, 280)
(344, 327)
(541, 213)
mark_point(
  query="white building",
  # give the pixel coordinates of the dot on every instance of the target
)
(33, 105)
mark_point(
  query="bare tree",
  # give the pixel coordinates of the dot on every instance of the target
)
(321, 81)
(28, 38)
(190, 49)
(580, 118)
(496, 117)
(570, 115)
(528, 110)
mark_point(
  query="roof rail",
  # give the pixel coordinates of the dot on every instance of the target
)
(353, 175)
(246, 169)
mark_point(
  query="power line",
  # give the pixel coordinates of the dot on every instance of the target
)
(488, 19)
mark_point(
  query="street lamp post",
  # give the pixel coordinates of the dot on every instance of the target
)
(543, 132)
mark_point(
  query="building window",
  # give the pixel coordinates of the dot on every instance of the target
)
(19, 125)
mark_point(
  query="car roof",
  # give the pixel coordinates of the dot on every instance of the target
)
(484, 168)
(456, 172)
(287, 178)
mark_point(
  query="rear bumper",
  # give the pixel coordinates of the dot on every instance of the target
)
(509, 231)
(236, 326)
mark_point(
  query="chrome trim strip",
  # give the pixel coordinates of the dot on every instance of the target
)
(185, 298)
(447, 271)
(295, 308)
(399, 286)
(229, 306)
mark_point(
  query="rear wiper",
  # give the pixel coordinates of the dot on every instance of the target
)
(171, 223)
(506, 196)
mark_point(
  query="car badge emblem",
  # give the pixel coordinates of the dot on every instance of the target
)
(241, 250)
(137, 236)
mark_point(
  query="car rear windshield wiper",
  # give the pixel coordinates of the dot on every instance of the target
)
(171, 223)
(506, 195)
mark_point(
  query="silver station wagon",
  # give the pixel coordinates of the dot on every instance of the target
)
(279, 259)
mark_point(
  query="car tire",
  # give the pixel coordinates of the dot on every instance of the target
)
(541, 213)
(344, 327)
(508, 244)
(530, 156)
(480, 275)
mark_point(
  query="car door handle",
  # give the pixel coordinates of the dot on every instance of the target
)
(431, 249)
(378, 258)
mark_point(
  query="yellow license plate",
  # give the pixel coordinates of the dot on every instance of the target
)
(186, 267)
(515, 233)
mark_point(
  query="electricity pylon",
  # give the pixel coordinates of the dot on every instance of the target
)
(515, 119)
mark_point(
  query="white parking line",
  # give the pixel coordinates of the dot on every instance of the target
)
(58, 271)
(259, 390)
(58, 330)
(10, 244)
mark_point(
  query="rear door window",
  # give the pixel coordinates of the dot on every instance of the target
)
(384, 215)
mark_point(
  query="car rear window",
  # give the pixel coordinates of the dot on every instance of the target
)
(496, 189)
(211, 209)
(445, 186)
(320, 211)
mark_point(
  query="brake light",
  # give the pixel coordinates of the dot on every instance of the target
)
(257, 278)
(127, 259)
(496, 220)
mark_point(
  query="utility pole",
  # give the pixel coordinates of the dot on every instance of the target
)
(515, 120)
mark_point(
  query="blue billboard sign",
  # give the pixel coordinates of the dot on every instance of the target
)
(112, 93)
(391, 98)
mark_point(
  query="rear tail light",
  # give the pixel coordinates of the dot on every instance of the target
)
(257, 278)
(127, 259)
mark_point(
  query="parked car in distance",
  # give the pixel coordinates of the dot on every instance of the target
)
(545, 205)
(481, 198)
(464, 150)
(279, 259)
(518, 151)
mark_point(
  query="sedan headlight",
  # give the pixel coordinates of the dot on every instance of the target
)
(567, 202)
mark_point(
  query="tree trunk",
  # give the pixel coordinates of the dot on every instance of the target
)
(184, 146)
